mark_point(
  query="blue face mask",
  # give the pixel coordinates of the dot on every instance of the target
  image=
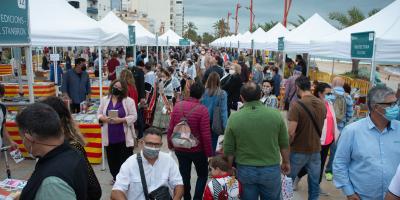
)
(392, 113)
(330, 98)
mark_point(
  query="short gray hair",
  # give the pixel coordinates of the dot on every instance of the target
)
(378, 94)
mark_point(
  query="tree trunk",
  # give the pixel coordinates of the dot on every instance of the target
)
(354, 66)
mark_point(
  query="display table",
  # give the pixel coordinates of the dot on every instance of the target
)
(5, 69)
(88, 127)
(95, 89)
(40, 89)
(11, 188)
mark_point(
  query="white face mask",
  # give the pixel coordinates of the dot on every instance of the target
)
(231, 71)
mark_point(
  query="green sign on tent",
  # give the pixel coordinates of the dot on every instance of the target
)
(362, 45)
(132, 35)
(281, 44)
(14, 22)
(184, 42)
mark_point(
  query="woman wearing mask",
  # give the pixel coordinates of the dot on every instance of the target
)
(127, 76)
(76, 141)
(166, 90)
(269, 99)
(212, 97)
(330, 132)
(232, 87)
(118, 114)
(258, 74)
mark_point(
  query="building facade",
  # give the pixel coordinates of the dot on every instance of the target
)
(95, 9)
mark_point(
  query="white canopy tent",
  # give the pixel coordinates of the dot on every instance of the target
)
(298, 40)
(173, 38)
(386, 25)
(270, 41)
(143, 36)
(245, 40)
(62, 25)
(112, 24)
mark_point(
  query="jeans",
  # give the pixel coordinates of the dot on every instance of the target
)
(324, 155)
(260, 182)
(214, 141)
(185, 160)
(312, 163)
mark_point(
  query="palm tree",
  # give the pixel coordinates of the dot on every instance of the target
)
(189, 27)
(299, 21)
(268, 25)
(353, 16)
(221, 28)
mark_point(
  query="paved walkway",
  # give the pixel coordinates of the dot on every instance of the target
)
(24, 169)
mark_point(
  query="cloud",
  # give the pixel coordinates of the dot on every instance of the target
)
(205, 13)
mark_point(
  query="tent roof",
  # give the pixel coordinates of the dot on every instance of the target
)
(173, 38)
(143, 36)
(385, 23)
(61, 25)
(258, 34)
(270, 40)
(298, 39)
(112, 24)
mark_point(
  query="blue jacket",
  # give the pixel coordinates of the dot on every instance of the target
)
(77, 87)
(277, 85)
(349, 108)
(211, 101)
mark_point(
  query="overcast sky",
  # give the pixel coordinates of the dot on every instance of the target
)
(204, 13)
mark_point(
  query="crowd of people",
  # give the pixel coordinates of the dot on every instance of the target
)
(224, 115)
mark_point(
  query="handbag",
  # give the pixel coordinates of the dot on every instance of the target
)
(216, 126)
(161, 193)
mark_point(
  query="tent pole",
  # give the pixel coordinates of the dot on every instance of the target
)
(103, 166)
(55, 71)
(16, 55)
(29, 72)
(283, 64)
(373, 67)
(157, 46)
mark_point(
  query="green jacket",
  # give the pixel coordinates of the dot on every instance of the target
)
(255, 135)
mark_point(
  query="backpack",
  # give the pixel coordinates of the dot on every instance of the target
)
(182, 136)
(221, 191)
(340, 106)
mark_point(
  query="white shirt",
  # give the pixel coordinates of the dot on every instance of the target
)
(164, 172)
(394, 186)
(150, 78)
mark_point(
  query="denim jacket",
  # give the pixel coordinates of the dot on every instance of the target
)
(211, 101)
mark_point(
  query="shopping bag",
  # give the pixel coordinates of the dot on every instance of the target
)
(287, 188)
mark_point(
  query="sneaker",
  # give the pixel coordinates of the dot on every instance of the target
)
(328, 176)
(323, 192)
(296, 184)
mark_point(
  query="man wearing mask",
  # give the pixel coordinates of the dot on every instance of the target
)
(60, 172)
(367, 153)
(76, 85)
(306, 119)
(160, 171)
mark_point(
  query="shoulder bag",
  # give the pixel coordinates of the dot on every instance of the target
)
(161, 193)
(317, 129)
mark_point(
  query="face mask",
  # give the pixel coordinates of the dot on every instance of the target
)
(391, 113)
(203, 52)
(151, 152)
(231, 71)
(330, 98)
(130, 64)
(116, 91)
(267, 91)
(268, 71)
(163, 79)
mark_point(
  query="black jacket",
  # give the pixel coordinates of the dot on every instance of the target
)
(62, 162)
(232, 87)
(138, 75)
(214, 68)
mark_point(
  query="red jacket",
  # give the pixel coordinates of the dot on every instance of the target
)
(208, 195)
(199, 122)
(133, 94)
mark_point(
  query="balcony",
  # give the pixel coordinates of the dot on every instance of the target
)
(92, 10)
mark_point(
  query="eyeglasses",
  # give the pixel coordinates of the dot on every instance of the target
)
(388, 104)
(329, 93)
(151, 144)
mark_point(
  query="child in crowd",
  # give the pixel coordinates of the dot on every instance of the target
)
(222, 186)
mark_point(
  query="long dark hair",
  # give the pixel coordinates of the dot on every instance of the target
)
(68, 125)
(124, 89)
